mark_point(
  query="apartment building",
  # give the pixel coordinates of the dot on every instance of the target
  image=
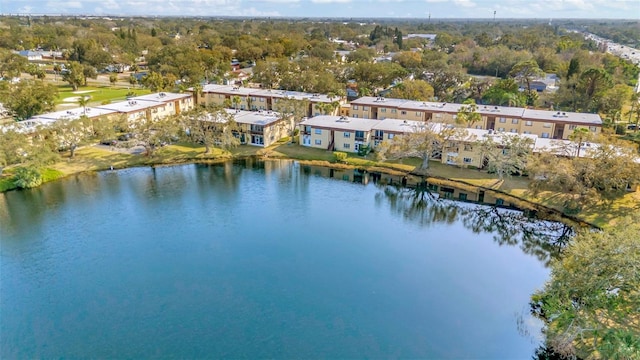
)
(242, 98)
(260, 128)
(338, 133)
(543, 123)
(171, 103)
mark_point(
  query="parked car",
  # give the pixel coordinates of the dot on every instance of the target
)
(109, 142)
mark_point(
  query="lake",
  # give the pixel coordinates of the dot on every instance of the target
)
(263, 260)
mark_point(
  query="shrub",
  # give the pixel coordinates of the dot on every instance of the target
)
(27, 177)
(340, 156)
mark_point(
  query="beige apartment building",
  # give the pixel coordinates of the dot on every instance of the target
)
(543, 123)
(243, 98)
(260, 128)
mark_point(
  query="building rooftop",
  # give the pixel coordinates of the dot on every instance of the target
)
(341, 123)
(255, 117)
(129, 106)
(72, 114)
(284, 94)
(562, 116)
(397, 125)
(378, 101)
(162, 97)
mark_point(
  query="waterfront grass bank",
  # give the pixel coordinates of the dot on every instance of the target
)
(513, 189)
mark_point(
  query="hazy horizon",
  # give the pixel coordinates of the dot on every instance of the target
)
(338, 9)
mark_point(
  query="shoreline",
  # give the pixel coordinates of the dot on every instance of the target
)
(512, 200)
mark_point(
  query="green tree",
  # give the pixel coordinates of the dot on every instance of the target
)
(211, 126)
(468, 114)
(593, 82)
(27, 98)
(418, 90)
(602, 173)
(506, 154)
(153, 133)
(11, 65)
(590, 305)
(70, 134)
(74, 75)
(113, 78)
(292, 111)
(525, 72)
(27, 177)
(424, 141)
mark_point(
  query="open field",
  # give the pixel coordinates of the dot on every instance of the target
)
(98, 95)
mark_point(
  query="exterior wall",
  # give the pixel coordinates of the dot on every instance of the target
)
(185, 105)
(414, 115)
(462, 154)
(260, 103)
(214, 99)
(542, 129)
(570, 128)
(317, 137)
(346, 140)
(507, 124)
(163, 111)
(274, 132)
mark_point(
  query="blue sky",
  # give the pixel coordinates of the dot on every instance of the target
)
(617, 9)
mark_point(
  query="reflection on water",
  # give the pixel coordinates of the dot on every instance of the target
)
(264, 259)
(426, 204)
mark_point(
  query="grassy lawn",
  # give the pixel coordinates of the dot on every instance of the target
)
(99, 94)
(93, 158)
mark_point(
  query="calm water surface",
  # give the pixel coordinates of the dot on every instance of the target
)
(253, 261)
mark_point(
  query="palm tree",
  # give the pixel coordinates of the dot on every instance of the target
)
(580, 135)
(83, 101)
(235, 100)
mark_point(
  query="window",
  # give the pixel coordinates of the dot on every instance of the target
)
(393, 111)
(592, 128)
(355, 116)
(463, 196)
(355, 107)
(389, 136)
(307, 129)
(499, 202)
(526, 132)
(547, 125)
(346, 146)
(528, 123)
(514, 121)
(383, 110)
(503, 120)
(468, 147)
(514, 130)
(500, 129)
(478, 126)
(467, 160)
(359, 134)
(403, 112)
(261, 99)
(318, 131)
(379, 133)
(365, 108)
(545, 135)
(318, 142)
(347, 134)
(418, 113)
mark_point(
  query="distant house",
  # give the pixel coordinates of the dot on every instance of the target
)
(431, 37)
(536, 85)
(31, 55)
